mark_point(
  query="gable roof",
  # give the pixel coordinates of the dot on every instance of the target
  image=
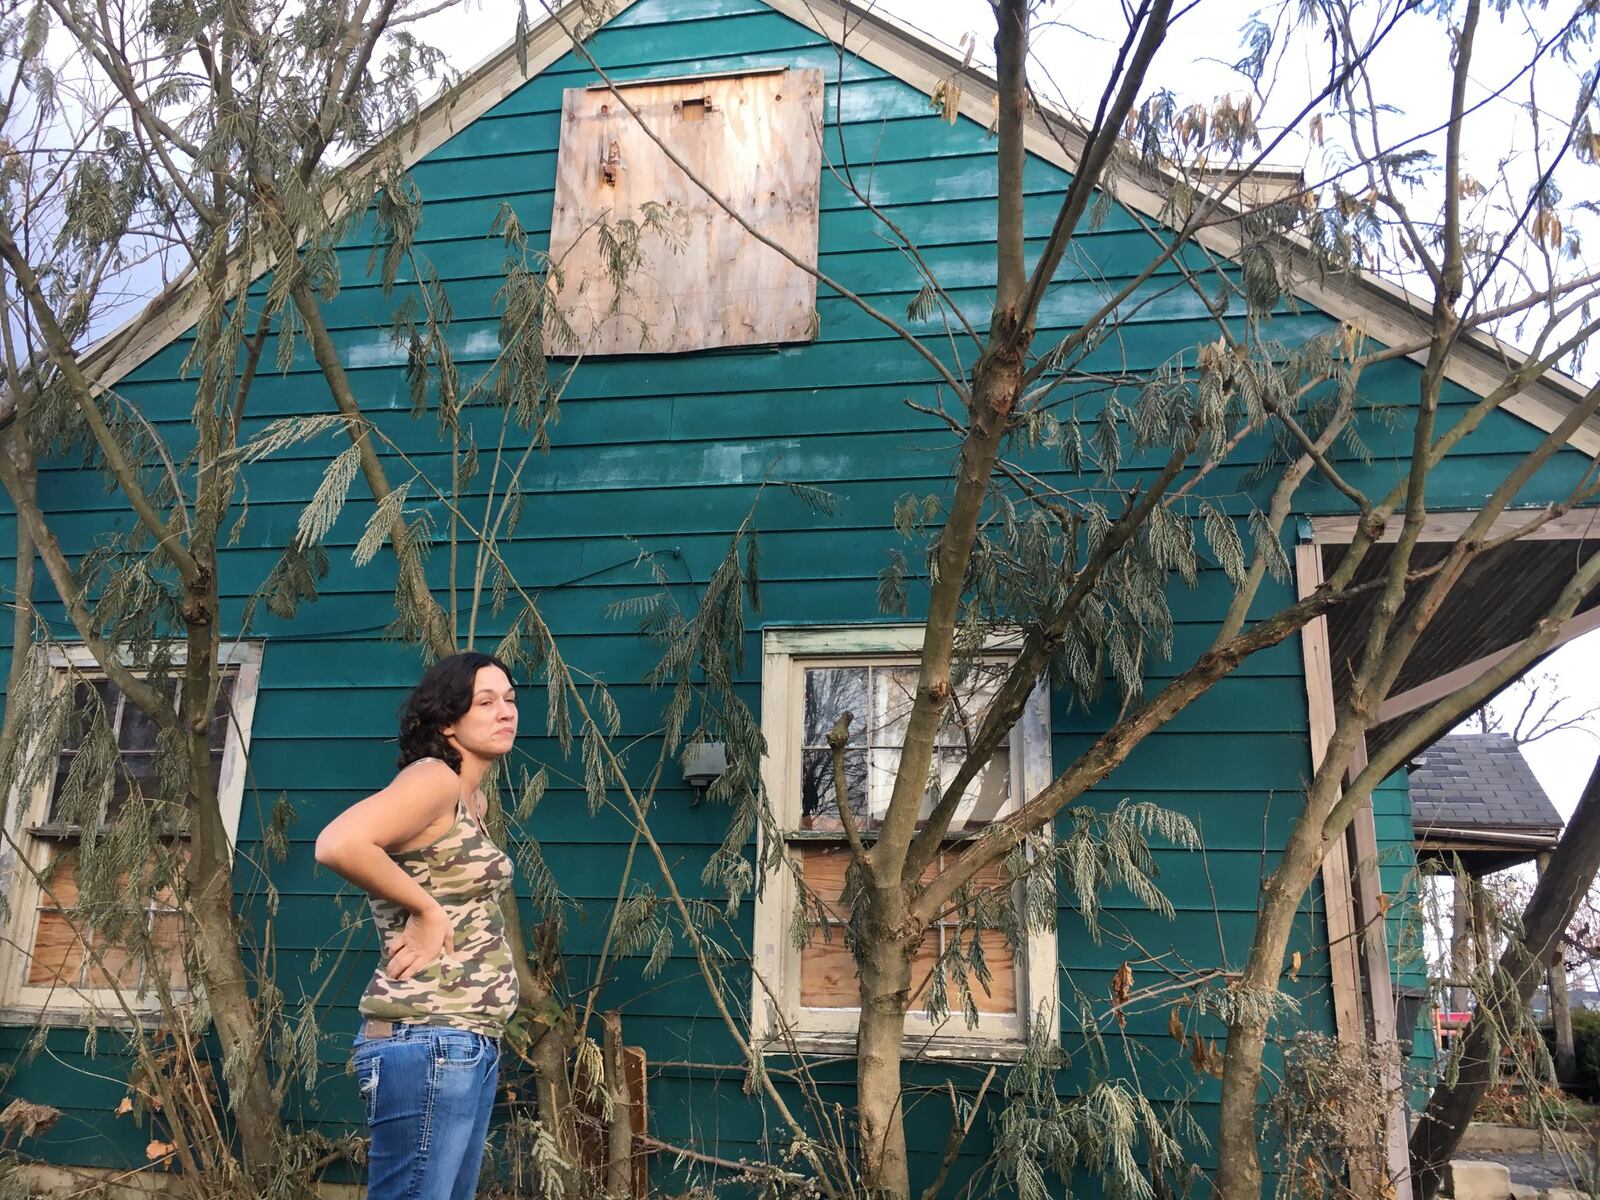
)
(1479, 782)
(1381, 309)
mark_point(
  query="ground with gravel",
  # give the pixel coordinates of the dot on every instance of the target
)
(1540, 1170)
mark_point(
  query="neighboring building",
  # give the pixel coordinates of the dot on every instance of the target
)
(667, 451)
(1475, 799)
(1477, 808)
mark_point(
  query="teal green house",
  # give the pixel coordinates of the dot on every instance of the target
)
(748, 372)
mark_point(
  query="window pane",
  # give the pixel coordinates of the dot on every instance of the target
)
(894, 691)
(118, 965)
(137, 769)
(987, 797)
(83, 692)
(974, 693)
(998, 956)
(63, 768)
(138, 732)
(830, 693)
(1001, 996)
(60, 878)
(58, 956)
(819, 807)
(166, 932)
(221, 718)
(828, 977)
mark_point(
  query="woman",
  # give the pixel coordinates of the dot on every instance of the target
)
(428, 1054)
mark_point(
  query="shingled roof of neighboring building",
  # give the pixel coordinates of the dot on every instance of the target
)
(1479, 781)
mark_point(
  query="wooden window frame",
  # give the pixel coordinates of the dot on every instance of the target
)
(64, 1004)
(775, 1003)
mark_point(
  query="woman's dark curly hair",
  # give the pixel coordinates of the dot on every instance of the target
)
(441, 698)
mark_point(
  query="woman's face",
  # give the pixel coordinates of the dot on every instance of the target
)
(489, 726)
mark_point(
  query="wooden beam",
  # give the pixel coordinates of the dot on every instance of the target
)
(1343, 952)
(1437, 689)
(1342, 881)
(1584, 524)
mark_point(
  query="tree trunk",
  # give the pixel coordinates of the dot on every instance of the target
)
(21, 636)
(1238, 1164)
(880, 1037)
(1554, 903)
(1238, 1168)
(220, 956)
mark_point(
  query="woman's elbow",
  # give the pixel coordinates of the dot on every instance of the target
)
(330, 849)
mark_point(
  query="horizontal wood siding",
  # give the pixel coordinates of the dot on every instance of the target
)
(673, 452)
(1401, 881)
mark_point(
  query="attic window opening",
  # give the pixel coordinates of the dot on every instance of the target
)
(694, 108)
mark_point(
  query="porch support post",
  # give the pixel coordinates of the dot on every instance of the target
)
(1566, 1054)
(1345, 876)
(1462, 961)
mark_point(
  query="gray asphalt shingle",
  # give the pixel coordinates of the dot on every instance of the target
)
(1479, 780)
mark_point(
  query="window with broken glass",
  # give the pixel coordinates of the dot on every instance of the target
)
(818, 988)
(76, 951)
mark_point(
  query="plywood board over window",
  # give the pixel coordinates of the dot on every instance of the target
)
(648, 262)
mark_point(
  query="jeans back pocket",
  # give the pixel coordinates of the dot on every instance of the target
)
(367, 1082)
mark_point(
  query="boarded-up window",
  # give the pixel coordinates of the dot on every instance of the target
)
(645, 261)
(880, 695)
(64, 931)
(828, 977)
(67, 949)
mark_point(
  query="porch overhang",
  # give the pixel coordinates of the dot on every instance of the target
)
(1500, 598)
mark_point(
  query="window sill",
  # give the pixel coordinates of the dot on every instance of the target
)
(14, 1016)
(919, 1047)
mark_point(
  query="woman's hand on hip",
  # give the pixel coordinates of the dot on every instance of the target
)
(427, 935)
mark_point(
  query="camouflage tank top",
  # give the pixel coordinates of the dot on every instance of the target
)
(476, 987)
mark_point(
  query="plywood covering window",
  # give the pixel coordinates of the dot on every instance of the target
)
(56, 961)
(810, 991)
(644, 260)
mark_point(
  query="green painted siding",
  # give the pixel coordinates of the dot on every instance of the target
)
(1402, 884)
(672, 451)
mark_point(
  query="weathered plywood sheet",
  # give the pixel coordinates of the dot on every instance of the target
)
(828, 976)
(698, 280)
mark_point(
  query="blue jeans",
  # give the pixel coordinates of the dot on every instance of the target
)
(428, 1092)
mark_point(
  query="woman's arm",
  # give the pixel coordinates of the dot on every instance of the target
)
(356, 845)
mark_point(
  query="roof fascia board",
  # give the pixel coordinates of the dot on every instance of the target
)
(1487, 834)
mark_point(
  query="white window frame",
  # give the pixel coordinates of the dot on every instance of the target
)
(63, 1004)
(775, 1003)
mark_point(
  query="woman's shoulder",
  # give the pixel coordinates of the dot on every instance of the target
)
(428, 758)
(433, 776)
